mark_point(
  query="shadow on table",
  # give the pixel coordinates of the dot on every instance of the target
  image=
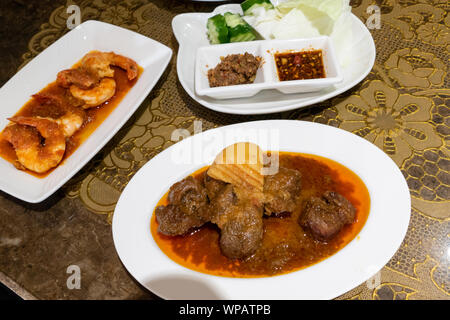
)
(174, 287)
(39, 207)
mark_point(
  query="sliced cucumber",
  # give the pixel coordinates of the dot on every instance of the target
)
(217, 30)
(233, 19)
(238, 29)
(241, 33)
(249, 5)
(230, 27)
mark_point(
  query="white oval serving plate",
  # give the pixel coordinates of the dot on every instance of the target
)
(190, 32)
(358, 261)
(151, 55)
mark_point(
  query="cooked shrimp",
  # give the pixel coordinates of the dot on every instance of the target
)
(73, 118)
(63, 102)
(125, 63)
(21, 137)
(70, 123)
(97, 95)
(100, 62)
(31, 153)
(50, 99)
(80, 77)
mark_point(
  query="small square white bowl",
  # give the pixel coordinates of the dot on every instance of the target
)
(209, 56)
(151, 55)
(332, 70)
(266, 78)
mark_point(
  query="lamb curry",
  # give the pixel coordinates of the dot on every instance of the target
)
(310, 209)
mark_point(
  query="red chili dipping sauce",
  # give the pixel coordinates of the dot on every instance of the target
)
(300, 65)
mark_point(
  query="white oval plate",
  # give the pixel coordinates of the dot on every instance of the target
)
(151, 55)
(190, 32)
(358, 261)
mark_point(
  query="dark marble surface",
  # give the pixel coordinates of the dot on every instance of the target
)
(40, 242)
(20, 20)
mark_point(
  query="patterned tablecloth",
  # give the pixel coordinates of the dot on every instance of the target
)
(402, 106)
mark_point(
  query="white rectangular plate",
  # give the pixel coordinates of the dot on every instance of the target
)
(151, 55)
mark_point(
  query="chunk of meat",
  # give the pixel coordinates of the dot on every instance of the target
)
(239, 220)
(172, 221)
(242, 232)
(281, 191)
(234, 69)
(222, 204)
(213, 186)
(346, 210)
(324, 217)
(187, 208)
(189, 195)
(240, 223)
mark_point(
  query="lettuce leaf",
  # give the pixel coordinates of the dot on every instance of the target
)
(321, 13)
(303, 19)
(263, 21)
(295, 24)
(343, 39)
(333, 8)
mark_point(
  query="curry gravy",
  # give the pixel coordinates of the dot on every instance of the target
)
(286, 247)
(94, 116)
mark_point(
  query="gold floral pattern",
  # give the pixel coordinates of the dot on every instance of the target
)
(397, 123)
(117, 14)
(414, 68)
(393, 291)
(434, 33)
(425, 19)
(420, 285)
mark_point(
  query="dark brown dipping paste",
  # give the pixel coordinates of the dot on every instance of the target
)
(286, 247)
